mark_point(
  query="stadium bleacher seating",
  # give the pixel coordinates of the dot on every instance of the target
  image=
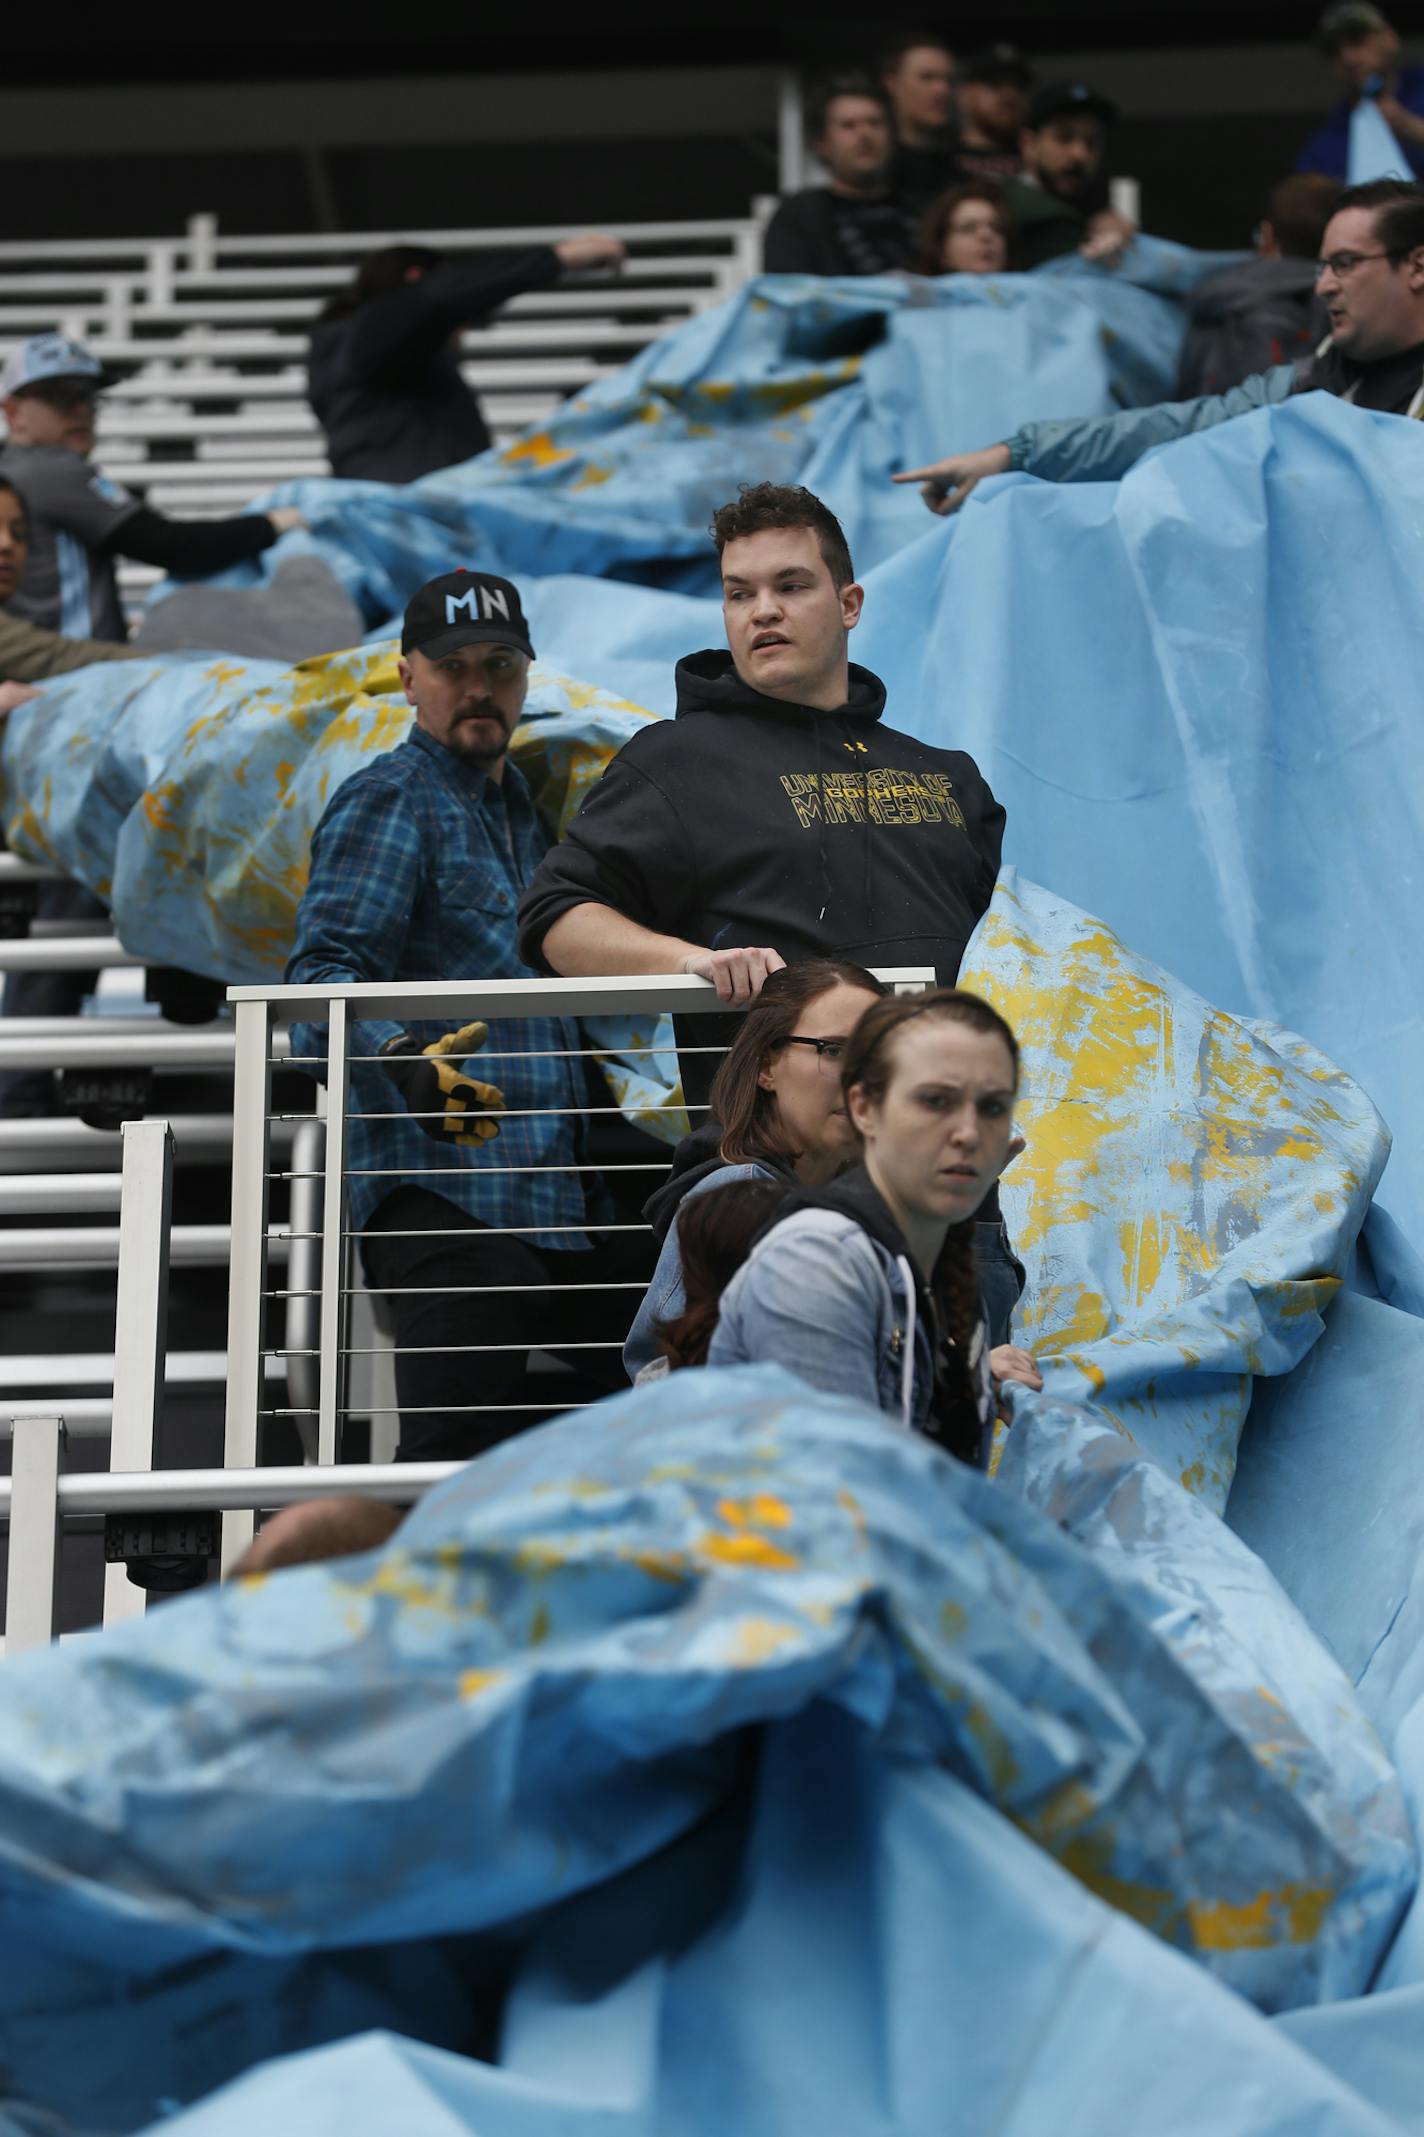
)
(208, 334)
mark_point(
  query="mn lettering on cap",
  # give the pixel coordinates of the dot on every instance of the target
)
(465, 608)
(47, 356)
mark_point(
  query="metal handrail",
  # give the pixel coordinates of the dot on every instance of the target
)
(257, 1011)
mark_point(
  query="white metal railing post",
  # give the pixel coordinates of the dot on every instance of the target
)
(34, 1533)
(140, 1322)
(333, 1236)
(303, 1280)
(162, 264)
(251, 1100)
(202, 244)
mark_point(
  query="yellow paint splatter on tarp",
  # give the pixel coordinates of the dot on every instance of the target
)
(474, 1683)
(755, 1640)
(537, 450)
(746, 1550)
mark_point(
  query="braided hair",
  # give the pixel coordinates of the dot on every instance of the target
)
(867, 1065)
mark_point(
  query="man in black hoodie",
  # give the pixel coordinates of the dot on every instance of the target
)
(776, 817)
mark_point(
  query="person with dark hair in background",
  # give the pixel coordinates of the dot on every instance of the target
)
(1059, 204)
(1370, 279)
(79, 520)
(1363, 49)
(868, 1288)
(714, 1233)
(1264, 311)
(854, 225)
(991, 96)
(776, 1114)
(965, 232)
(916, 71)
(383, 368)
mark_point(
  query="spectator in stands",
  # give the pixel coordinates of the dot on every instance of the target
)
(966, 232)
(917, 74)
(79, 520)
(1363, 49)
(775, 818)
(867, 1288)
(854, 225)
(776, 1115)
(416, 870)
(383, 370)
(991, 94)
(27, 654)
(1264, 311)
(1371, 279)
(1059, 204)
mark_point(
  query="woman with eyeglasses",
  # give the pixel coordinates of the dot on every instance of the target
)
(776, 1114)
(867, 1286)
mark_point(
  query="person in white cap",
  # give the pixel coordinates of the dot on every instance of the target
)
(79, 520)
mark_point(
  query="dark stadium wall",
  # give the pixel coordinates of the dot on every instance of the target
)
(1206, 130)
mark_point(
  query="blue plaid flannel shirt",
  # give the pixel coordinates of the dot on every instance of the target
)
(416, 872)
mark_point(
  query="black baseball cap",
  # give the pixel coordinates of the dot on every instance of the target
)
(1069, 100)
(997, 63)
(464, 608)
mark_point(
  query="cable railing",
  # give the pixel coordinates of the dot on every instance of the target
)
(310, 1345)
(335, 1323)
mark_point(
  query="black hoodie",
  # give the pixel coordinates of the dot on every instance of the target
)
(748, 821)
(385, 379)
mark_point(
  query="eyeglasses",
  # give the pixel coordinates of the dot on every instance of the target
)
(828, 1051)
(1343, 264)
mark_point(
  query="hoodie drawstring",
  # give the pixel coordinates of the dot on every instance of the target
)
(907, 1363)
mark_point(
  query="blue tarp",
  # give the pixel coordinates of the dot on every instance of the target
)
(760, 1756)
(1196, 692)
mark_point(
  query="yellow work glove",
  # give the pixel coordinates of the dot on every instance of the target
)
(449, 1105)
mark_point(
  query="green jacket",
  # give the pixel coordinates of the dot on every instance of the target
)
(1041, 226)
(30, 655)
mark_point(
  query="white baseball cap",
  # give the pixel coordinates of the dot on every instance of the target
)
(46, 356)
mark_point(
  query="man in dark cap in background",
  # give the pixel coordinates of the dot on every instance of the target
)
(1363, 49)
(469, 1198)
(1060, 203)
(991, 93)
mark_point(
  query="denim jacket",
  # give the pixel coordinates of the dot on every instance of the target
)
(819, 1295)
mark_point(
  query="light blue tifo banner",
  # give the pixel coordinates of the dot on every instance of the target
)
(621, 482)
(717, 1758)
(1191, 1190)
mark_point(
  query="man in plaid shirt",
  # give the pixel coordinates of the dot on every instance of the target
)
(465, 1195)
